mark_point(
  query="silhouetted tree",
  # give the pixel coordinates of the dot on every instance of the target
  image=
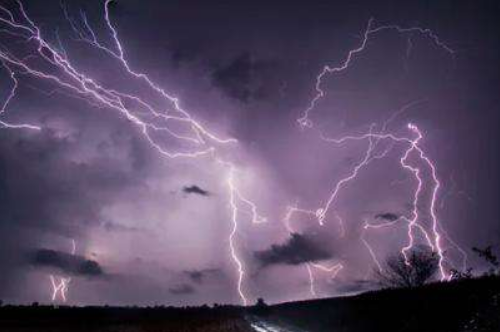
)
(418, 268)
(260, 307)
(261, 303)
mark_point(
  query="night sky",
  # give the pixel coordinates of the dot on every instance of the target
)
(88, 197)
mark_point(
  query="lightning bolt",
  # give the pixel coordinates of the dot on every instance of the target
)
(305, 121)
(11, 95)
(368, 246)
(333, 270)
(171, 119)
(433, 236)
(60, 285)
(70, 78)
(236, 198)
(341, 224)
(312, 288)
(73, 247)
(413, 147)
(188, 137)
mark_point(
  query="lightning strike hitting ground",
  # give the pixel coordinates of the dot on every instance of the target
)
(333, 270)
(234, 219)
(433, 237)
(59, 286)
(168, 119)
(195, 140)
(235, 199)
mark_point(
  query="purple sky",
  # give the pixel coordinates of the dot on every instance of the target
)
(154, 230)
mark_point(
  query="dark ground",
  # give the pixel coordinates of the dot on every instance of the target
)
(466, 305)
(462, 306)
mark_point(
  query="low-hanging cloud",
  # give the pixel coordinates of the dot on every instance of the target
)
(389, 216)
(298, 249)
(196, 190)
(67, 263)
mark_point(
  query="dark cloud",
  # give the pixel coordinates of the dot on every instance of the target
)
(387, 216)
(246, 79)
(296, 250)
(194, 189)
(199, 276)
(49, 186)
(181, 289)
(71, 264)
(54, 185)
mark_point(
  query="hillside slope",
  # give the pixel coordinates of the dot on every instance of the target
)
(467, 305)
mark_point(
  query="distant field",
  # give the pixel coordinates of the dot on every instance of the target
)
(465, 306)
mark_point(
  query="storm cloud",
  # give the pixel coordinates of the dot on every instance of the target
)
(65, 182)
(389, 216)
(67, 263)
(194, 189)
(298, 249)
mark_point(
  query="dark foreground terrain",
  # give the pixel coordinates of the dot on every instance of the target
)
(467, 305)
(459, 306)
